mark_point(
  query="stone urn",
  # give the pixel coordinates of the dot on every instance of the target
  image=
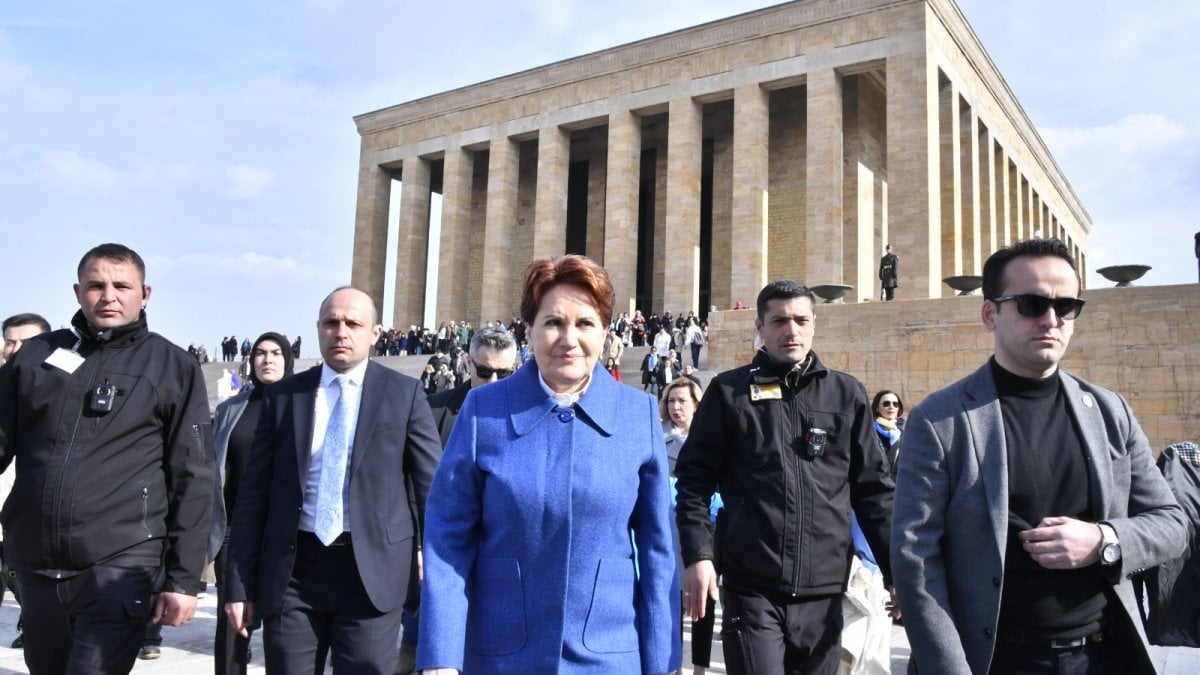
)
(832, 293)
(965, 284)
(1124, 275)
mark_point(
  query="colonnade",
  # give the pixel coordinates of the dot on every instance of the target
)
(695, 189)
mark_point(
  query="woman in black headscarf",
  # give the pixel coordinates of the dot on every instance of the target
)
(233, 434)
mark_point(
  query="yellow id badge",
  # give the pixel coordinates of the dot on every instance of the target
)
(766, 392)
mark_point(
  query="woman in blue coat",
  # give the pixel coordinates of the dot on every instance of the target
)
(548, 545)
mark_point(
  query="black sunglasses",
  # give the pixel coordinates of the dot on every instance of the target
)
(1034, 306)
(890, 404)
(484, 372)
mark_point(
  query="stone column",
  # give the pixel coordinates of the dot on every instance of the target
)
(412, 243)
(501, 293)
(1010, 200)
(454, 259)
(621, 208)
(862, 270)
(1031, 226)
(952, 187)
(369, 258)
(970, 189)
(550, 209)
(914, 213)
(823, 200)
(1020, 221)
(747, 271)
(597, 144)
(681, 261)
(999, 197)
(987, 194)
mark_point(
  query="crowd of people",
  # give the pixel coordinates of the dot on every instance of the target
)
(519, 509)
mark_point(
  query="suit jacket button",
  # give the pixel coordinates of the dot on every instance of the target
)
(996, 582)
(987, 633)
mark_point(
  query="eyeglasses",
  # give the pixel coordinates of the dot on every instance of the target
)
(890, 404)
(1034, 306)
(485, 373)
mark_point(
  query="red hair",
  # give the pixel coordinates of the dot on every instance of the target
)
(576, 270)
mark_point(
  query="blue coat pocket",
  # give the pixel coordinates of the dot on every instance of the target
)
(496, 615)
(612, 619)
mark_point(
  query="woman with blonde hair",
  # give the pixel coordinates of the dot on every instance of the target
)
(678, 404)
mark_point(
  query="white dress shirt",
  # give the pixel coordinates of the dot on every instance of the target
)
(326, 398)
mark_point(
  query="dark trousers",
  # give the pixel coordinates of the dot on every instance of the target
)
(93, 622)
(889, 293)
(696, 356)
(410, 623)
(325, 607)
(231, 652)
(773, 634)
(1119, 653)
(702, 634)
(1095, 658)
(153, 634)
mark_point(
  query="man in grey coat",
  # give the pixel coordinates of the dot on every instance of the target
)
(1027, 497)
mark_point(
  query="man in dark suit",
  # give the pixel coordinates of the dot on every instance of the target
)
(1027, 497)
(323, 532)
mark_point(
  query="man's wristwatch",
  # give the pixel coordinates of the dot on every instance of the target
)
(1110, 547)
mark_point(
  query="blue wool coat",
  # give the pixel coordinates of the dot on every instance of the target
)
(530, 534)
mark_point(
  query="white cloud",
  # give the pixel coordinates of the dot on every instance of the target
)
(230, 267)
(12, 73)
(81, 174)
(1135, 176)
(1140, 153)
(248, 182)
(67, 171)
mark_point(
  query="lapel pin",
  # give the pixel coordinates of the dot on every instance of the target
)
(1087, 400)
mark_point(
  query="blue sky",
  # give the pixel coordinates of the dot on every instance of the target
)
(217, 138)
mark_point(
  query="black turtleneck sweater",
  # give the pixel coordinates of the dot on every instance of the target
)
(1047, 476)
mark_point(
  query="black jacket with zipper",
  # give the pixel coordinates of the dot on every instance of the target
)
(786, 524)
(131, 486)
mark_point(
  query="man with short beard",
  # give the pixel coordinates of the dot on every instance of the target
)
(109, 426)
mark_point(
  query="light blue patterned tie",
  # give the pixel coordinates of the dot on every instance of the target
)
(335, 451)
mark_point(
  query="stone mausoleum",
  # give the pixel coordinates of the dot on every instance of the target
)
(793, 141)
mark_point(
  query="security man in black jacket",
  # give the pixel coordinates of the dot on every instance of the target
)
(108, 425)
(790, 445)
